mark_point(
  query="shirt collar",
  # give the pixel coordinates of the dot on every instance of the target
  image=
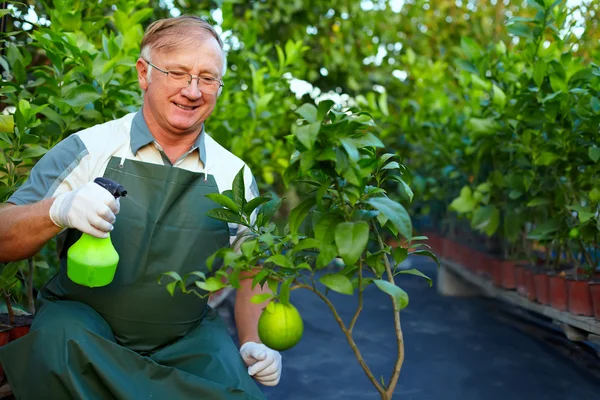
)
(141, 136)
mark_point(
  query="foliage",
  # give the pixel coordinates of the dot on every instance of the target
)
(344, 214)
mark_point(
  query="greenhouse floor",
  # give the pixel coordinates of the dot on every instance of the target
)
(456, 349)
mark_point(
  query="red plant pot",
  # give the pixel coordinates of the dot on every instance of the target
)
(496, 272)
(541, 282)
(579, 298)
(508, 274)
(529, 284)
(18, 331)
(480, 262)
(595, 295)
(558, 292)
(520, 280)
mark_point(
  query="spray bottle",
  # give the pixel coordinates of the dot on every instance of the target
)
(92, 261)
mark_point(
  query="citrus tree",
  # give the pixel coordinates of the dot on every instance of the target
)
(344, 214)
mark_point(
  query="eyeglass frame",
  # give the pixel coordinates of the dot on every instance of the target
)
(192, 77)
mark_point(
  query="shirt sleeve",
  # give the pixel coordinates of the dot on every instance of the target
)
(60, 170)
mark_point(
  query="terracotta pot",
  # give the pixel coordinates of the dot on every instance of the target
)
(558, 292)
(579, 297)
(480, 263)
(530, 284)
(520, 280)
(496, 272)
(542, 287)
(18, 331)
(595, 295)
(508, 274)
(541, 281)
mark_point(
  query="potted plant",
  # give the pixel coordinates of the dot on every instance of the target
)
(344, 213)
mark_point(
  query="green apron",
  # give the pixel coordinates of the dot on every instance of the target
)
(131, 339)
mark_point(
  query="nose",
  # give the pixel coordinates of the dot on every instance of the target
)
(192, 91)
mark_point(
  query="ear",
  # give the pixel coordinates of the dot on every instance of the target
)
(142, 70)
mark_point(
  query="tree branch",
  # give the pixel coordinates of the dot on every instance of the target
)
(399, 336)
(360, 298)
(349, 338)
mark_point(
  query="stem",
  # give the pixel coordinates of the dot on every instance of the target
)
(11, 312)
(30, 299)
(360, 299)
(586, 254)
(399, 336)
(349, 338)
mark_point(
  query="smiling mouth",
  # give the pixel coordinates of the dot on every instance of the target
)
(188, 108)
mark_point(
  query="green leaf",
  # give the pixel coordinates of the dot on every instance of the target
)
(33, 152)
(400, 295)
(284, 292)
(308, 112)
(225, 215)
(595, 104)
(538, 201)
(248, 248)
(338, 283)
(499, 97)
(394, 212)
(326, 255)
(416, 272)
(546, 158)
(486, 219)
(541, 231)
(521, 30)
(224, 201)
(594, 153)
(300, 212)
(325, 228)
(307, 134)
(351, 239)
(482, 126)
(261, 298)
(254, 203)
(281, 260)
(404, 186)
(470, 48)
(239, 190)
(212, 284)
(267, 211)
(539, 72)
(81, 95)
(465, 202)
(585, 216)
(7, 123)
(399, 254)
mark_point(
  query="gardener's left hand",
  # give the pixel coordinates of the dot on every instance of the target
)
(264, 364)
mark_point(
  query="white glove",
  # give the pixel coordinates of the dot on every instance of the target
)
(264, 364)
(90, 209)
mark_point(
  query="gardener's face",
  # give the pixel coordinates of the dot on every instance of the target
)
(171, 105)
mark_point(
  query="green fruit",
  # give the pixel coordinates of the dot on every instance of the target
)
(280, 326)
(574, 233)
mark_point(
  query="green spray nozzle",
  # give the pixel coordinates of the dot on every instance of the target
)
(114, 188)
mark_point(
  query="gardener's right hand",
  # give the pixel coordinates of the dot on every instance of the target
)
(90, 209)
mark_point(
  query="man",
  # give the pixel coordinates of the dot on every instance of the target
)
(131, 339)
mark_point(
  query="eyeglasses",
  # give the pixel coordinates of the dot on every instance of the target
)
(180, 79)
